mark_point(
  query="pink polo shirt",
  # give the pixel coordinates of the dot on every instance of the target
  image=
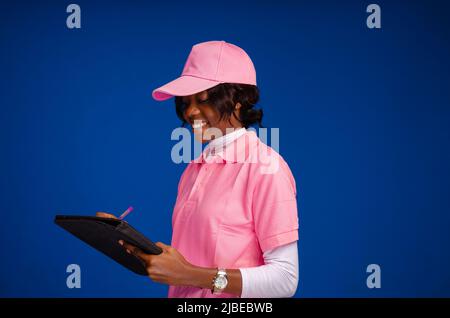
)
(233, 208)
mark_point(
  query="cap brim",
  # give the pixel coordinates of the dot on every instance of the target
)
(183, 86)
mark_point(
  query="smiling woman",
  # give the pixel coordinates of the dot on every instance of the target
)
(225, 97)
(235, 227)
(223, 106)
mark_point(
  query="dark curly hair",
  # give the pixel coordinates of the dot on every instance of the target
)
(224, 97)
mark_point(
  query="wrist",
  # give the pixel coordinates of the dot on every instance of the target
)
(200, 277)
(220, 281)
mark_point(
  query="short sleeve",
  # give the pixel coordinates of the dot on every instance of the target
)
(274, 209)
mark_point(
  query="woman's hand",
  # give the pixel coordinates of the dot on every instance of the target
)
(169, 267)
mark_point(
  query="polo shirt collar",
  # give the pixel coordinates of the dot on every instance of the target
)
(236, 151)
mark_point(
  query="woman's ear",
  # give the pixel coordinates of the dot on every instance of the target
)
(237, 112)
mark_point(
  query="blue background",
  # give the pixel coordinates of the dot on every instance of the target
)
(364, 124)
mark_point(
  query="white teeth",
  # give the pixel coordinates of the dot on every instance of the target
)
(198, 125)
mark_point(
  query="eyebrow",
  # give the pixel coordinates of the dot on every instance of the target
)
(187, 101)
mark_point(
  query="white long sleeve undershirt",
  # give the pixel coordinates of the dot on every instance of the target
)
(278, 277)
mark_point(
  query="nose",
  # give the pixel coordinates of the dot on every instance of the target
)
(191, 111)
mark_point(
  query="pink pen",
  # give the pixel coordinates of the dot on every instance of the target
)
(126, 212)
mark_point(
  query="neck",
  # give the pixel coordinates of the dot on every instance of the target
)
(230, 135)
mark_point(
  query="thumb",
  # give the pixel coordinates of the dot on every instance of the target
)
(162, 245)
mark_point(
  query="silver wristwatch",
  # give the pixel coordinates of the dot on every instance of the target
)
(219, 282)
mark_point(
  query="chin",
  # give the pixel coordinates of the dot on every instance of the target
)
(200, 139)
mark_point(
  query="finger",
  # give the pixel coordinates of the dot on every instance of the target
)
(105, 215)
(162, 245)
(133, 249)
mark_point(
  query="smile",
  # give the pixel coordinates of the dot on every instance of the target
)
(199, 124)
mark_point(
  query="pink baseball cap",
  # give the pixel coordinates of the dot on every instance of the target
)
(210, 64)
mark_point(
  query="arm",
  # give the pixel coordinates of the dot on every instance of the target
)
(170, 267)
(277, 278)
(202, 278)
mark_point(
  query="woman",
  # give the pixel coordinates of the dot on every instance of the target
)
(235, 224)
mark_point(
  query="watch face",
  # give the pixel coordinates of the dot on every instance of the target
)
(221, 282)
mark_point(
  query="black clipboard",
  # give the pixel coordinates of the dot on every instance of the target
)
(103, 234)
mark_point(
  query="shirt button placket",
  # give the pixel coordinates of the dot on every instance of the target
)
(197, 184)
